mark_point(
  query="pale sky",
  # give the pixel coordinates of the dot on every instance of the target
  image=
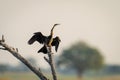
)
(96, 22)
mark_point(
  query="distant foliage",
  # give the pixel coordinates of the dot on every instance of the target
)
(3, 68)
(81, 57)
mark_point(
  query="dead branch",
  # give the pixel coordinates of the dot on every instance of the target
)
(51, 63)
(15, 53)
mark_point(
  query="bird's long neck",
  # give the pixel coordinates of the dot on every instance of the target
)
(52, 30)
(51, 36)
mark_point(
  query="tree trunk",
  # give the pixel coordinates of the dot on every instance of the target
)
(79, 74)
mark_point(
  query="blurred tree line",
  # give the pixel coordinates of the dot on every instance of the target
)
(81, 57)
(19, 68)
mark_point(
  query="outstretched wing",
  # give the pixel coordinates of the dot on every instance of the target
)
(56, 42)
(38, 36)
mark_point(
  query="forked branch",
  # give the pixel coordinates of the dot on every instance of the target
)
(15, 53)
(51, 63)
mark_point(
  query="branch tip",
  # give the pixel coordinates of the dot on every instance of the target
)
(17, 49)
(3, 39)
(46, 60)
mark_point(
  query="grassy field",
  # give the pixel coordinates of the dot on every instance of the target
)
(31, 76)
(18, 76)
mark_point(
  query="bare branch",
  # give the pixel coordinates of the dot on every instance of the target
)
(3, 48)
(15, 53)
(51, 63)
(3, 39)
(47, 60)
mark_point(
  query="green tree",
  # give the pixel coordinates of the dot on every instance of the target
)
(81, 57)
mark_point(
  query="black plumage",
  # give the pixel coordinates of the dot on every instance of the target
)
(45, 40)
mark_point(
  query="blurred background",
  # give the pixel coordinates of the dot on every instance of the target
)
(89, 33)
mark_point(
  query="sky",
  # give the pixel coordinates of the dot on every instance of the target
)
(96, 22)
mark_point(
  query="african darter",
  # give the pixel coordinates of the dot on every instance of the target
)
(47, 41)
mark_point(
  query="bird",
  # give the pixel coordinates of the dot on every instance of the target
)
(47, 41)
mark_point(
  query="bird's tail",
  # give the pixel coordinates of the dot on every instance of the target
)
(43, 50)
